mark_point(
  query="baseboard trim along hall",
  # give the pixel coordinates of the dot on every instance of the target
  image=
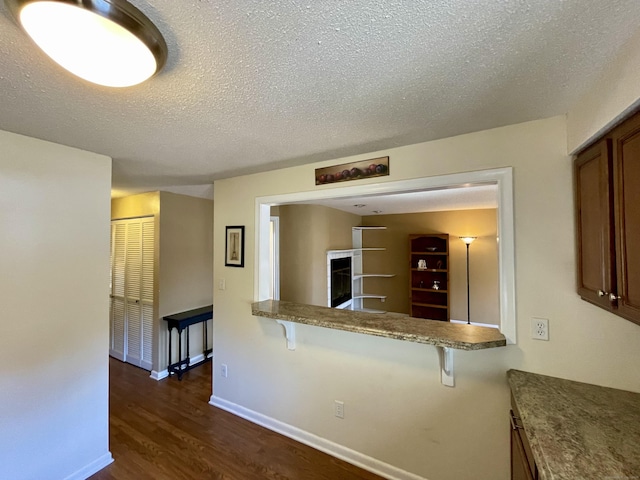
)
(93, 467)
(196, 359)
(164, 373)
(331, 448)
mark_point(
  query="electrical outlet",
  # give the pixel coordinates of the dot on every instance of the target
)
(540, 328)
(339, 409)
(224, 371)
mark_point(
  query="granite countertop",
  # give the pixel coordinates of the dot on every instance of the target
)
(390, 325)
(578, 431)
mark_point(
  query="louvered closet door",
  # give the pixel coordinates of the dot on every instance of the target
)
(132, 262)
(133, 285)
(117, 310)
(146, 293)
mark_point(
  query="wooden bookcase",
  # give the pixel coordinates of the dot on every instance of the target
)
(429, 283)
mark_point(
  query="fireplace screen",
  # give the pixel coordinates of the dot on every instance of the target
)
(340, 281)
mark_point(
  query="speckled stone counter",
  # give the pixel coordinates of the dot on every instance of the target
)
(391, 325)
(578, 431)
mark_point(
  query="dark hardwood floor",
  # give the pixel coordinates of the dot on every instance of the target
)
(167, 430)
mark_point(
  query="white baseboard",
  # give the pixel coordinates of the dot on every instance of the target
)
(159, 375)
(93, 467)
(196, 359)
(327, 446)
(116, 355)
(490, 325)
(165, 373)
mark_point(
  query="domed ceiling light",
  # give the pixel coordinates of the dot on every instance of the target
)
(108, 42)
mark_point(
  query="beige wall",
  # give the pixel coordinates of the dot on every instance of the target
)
(186, 265)
(393, 387)
(186, 253)
(306, 233)
(483, 260)
(54, 290)
(615, 95)
(140, 205)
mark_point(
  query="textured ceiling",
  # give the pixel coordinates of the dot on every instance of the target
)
(437, 200)
(254, 85)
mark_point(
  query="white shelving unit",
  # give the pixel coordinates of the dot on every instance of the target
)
(367, 275)
(359, 274)
(357, 250)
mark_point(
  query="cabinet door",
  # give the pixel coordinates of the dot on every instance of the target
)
(117, 304)
(133, 282)
(594, 224)
(523, 466)
(627, 203)
(519, 464)
(146, 295)
(132, 290)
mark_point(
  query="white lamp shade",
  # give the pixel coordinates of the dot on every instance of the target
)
(468, 240)
(89, 44)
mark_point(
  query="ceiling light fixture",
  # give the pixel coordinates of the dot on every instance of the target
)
(108, 42)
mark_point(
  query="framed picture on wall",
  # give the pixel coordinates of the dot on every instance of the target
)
(234, 247)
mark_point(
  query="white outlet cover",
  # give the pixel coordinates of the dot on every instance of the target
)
(539, 328)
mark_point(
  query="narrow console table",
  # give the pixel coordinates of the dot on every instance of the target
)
(181, 321)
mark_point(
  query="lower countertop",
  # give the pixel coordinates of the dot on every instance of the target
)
(390, 325)
(577, 430)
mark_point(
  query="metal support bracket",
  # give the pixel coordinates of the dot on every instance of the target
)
(290, 333)
(445, 355)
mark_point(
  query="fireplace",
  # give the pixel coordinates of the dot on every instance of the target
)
(340, 278)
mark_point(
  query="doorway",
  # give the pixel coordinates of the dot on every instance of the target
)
(503, 180)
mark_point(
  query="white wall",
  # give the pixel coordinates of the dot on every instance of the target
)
(615, 95)
(396, 410)
(54, 270)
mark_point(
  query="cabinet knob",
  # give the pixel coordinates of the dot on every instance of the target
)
(613, 297)
(514, 421)
(601, 293)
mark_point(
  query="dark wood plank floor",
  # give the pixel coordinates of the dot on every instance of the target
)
(167, 430)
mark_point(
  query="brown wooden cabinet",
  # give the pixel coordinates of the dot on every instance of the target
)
(626, 169)
(523, 465)
(594, 227)
(607, 186)
(429, 276)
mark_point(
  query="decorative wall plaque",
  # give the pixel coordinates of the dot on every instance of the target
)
(375, 167)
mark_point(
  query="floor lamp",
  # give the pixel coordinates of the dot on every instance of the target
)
(468, 241)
